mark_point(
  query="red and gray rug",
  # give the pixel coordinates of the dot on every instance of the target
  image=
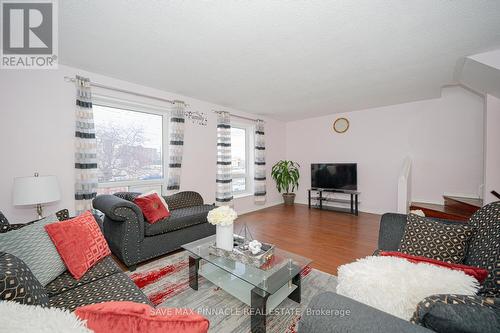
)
(165, 282)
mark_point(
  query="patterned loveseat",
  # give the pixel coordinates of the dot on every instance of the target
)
(439, 313)
(102, 283)
(133, 240)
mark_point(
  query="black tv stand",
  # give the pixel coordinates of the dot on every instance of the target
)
(320, 198)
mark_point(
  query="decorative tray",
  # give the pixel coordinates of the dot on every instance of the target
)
(242, 254)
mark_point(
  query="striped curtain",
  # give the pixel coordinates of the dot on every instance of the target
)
(260, 163)
(175, 146)
(224, 182)
(85, 147)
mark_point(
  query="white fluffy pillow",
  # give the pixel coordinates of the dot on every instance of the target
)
(22, 318)
(396, 286)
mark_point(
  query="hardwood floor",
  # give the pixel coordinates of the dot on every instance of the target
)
(329, 238)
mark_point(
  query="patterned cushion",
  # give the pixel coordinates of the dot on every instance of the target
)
(61, 215)
(484, 248)
(18, 284)
(179, 219)
(65, 281)
(119, 317)
(458, 313)
(3, 220)
(32, 245)
(80, 243)
(117, 287)
(436, 240)
(9, 227)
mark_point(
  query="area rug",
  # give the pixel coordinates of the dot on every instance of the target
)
(165, 282)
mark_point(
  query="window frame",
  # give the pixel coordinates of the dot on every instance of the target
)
(127, 105)
(249, 159)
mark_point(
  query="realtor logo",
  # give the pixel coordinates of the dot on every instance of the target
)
(29, 34)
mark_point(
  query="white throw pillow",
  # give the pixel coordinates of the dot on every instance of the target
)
(396, 286)
(22, 318)
(161, 198)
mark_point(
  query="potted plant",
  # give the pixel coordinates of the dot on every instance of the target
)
(286, 175)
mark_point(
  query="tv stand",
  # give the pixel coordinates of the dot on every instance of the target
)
(316, 194)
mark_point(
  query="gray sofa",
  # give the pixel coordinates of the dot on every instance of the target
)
(102, 283)
(439, 313)
(132, 239)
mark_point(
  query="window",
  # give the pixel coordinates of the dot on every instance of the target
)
(241, 153)
(129, 149)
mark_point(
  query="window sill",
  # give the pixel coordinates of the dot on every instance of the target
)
(242, 195)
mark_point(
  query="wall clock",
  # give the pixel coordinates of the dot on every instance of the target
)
(341, 125)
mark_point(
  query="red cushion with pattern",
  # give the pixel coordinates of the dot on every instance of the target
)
(80, 243)
(479, 273)
(152, 208)
(121, 317)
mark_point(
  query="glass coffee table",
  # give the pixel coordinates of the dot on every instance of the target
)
(263, 289)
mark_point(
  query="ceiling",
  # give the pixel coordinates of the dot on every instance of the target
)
(285, 59)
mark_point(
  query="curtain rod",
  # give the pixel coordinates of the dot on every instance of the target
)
(98, 85)
(237, 116)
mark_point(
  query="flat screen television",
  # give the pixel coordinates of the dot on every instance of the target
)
(339, 176)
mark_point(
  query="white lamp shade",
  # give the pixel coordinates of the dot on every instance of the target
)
(35, 190)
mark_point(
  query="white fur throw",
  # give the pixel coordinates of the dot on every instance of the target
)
(22, 318)
(396, 286)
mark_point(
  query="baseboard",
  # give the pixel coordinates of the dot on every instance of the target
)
(428, 201)
(462, 195)
(259, 207)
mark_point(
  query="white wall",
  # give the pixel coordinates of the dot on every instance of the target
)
(37, 129)
(491, 148)
(443, 136)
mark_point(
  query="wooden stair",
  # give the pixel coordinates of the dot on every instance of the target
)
(454, 208)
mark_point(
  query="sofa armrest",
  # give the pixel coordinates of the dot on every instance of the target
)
(109, 204)
(123, 226)
(392, 228)
(183, 199)
(330, 312)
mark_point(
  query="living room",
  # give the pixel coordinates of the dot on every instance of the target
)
(315, 135)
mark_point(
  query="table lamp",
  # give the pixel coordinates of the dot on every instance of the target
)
(36, 190)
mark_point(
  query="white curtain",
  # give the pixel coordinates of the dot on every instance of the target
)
(175, 146)
(260, 163)
(224, 182)
(85, 147)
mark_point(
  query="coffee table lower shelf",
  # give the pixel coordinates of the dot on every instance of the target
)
(261, 302)
(240, 289)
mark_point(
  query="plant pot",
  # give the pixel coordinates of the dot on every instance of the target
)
(224, 237)
(289, 198)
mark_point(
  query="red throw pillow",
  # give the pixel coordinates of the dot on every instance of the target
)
(124, 317)
(80, 243)
(152, 208)
(162, 199)
(479, 273)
